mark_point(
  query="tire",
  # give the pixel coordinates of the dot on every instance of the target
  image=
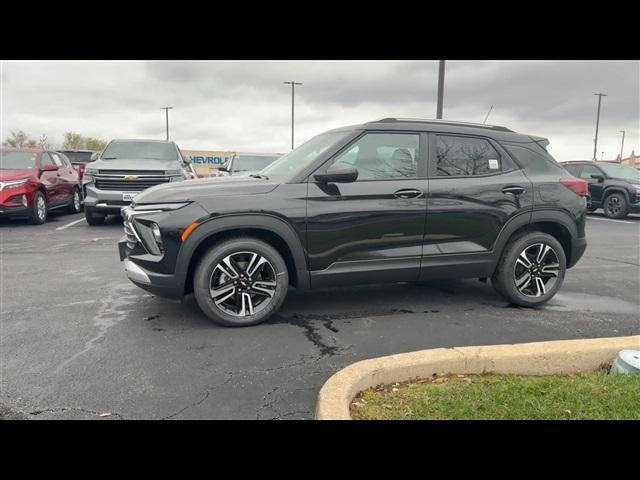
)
(616, 206)
(92, 218)
(76, 202)
(39, 210)
(510, 270)
(237, 257)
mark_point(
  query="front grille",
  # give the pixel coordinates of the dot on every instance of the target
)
(131, 172)
(104, 183)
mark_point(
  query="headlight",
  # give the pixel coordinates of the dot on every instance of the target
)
(91, 171)
(160, 207)
(15, 183)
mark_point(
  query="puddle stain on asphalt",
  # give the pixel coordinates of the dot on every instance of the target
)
(112, 311)
(584, 302)
(310, 324)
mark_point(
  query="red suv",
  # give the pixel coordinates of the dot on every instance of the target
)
(34, 181)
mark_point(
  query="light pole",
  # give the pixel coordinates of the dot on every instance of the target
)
(293, 86)
(440, 89)
(622, 147)
(595, 141)
(166, 109)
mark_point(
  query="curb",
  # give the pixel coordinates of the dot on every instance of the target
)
(538, 358)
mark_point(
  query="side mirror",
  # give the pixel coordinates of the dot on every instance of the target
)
(338, 173)
(600, 178)
(94, 156)
(187, 160)
(49, 168)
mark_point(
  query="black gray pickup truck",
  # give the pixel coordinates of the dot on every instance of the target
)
(126, 168)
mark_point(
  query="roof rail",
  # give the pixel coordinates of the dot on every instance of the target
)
(442, 122)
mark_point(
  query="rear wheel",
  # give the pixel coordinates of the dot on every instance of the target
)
(240, 282)
(93, 218)
(39, 209)
(615, 206)
(76, 205)
(531, 270)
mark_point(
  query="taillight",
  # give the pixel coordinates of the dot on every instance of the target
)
(580, 187)
(81, 168)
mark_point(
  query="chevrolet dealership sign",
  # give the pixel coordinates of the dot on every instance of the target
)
(206, 162)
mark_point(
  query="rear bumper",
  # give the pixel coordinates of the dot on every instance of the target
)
(578, 247)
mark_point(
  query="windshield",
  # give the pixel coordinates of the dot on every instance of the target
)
(252, 163)
(78, 157)
(297, 160)
(620, 171)
(140, 150)
(15, 160)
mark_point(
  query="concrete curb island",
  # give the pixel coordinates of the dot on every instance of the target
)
(538, 358)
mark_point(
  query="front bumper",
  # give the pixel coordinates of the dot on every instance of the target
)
(105, 201)
(163, 285)
(17, 211)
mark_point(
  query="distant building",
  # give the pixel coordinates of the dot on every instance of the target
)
(633, 160)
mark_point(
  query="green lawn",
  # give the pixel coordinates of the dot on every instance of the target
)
(593, 395)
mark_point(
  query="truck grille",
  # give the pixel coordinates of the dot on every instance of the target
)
(131, 172)
(122, 184)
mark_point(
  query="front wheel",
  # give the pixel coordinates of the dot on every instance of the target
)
(616, 206)
(39, 209)
(531, 269)
(92, 218)
(240, 282)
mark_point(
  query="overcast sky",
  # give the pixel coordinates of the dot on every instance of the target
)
(244, 106)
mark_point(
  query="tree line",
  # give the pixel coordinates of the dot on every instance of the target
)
(72, 141)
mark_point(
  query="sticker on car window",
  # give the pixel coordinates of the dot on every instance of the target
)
(494, 164)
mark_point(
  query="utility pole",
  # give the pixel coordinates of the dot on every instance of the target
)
(485, 118)
(440, 89)
(166, 109)
(622, 147)
(293, 86)
(595, 141)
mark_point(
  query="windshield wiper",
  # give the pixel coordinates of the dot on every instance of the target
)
(257, 175)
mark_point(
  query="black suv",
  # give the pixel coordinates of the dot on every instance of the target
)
(394, 200)
(613, 187)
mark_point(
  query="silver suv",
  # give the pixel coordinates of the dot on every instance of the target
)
(126, 168)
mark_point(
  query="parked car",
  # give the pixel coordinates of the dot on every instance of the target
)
(79, 159)
(245, 164)
(613, 187)
(387, 201)
(34, 182)
(124, 169)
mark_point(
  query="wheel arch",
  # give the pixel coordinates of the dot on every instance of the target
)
(556, 223)
(271, 229)
(615, 189)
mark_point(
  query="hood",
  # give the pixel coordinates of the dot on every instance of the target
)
(134, 164)
(192, 190)
(15, 174)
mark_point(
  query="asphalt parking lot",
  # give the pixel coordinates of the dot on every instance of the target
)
(77, 339)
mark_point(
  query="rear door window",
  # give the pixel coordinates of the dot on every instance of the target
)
(461, 156)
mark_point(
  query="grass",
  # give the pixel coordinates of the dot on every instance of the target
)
(584, 396)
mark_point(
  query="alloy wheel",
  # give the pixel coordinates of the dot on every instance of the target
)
(614, 206)
(41, 208)
(536, 270)
(243, 284)
(76, 201)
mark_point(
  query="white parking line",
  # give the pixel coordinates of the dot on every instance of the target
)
(612, 220)
(70, 224)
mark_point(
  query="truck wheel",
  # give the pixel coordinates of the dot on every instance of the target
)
(92, 218)
(240, 282)
(39, 210)
(531, 269)
(615, 206)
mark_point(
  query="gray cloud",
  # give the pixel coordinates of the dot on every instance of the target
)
(245, 106)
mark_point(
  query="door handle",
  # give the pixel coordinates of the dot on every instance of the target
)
(408, 193)
(515, 190)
